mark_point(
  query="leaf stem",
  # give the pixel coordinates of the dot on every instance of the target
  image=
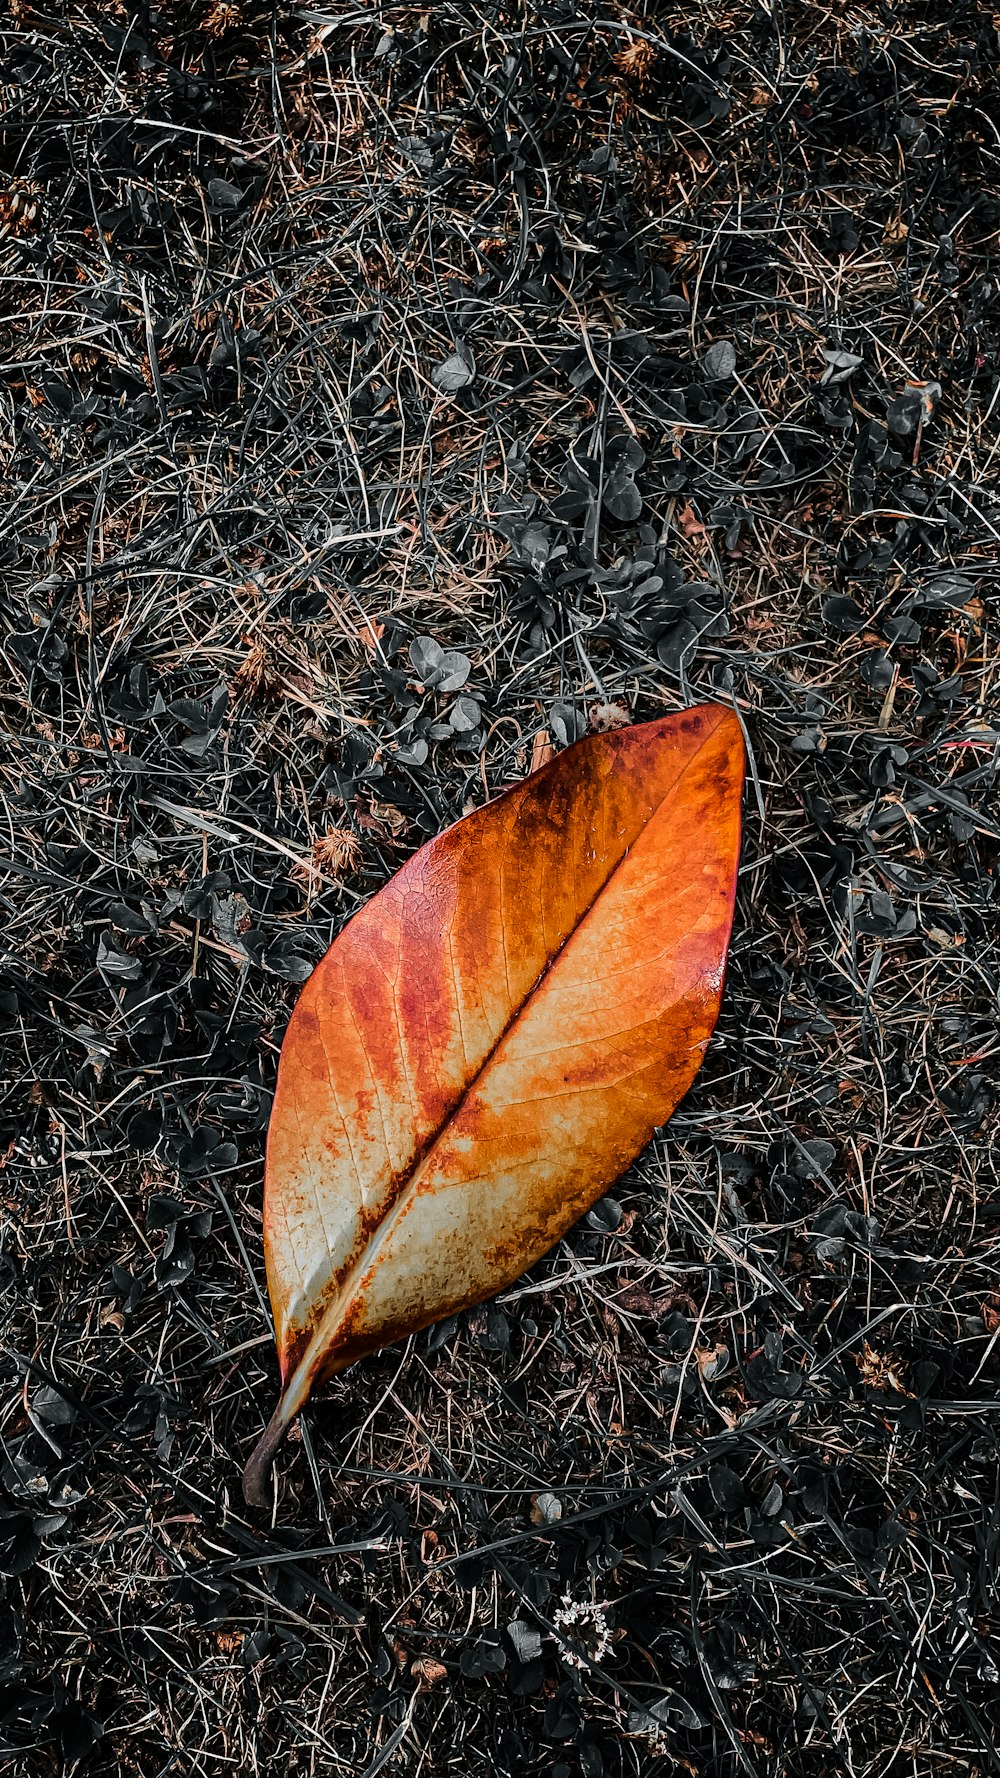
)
(257, 1490)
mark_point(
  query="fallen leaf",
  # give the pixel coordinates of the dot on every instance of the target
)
(492, 1040)
(546, 1509)
(711, 1360)
(384, 820)
(428, 1671)
(229, 1642)
(687, 521)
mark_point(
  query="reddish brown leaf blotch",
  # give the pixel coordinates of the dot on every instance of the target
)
(493, 1039)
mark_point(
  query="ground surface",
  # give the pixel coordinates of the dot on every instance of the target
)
(324, 333)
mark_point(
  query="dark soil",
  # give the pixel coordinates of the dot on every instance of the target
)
(324, 333)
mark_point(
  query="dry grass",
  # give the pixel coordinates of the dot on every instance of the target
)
(713, 1489)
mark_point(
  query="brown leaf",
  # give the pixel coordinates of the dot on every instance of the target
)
(370, 635)
(428, 1671)
(687, 521)
(493, 1039)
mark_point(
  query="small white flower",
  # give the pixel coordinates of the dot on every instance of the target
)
(583, 1626)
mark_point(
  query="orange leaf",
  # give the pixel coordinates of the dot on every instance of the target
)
(493, 1039)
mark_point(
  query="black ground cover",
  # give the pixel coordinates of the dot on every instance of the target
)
(632, 359)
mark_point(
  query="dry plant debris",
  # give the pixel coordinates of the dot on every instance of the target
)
(389, 393)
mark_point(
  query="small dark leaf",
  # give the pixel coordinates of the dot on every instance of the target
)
(288, 964)
(902, 629)
(669, 1708)
(198, 745)
(76, 1729)
(601, 161)
(163, 1211)
(453, 669)
(482, 1658)
(145, 1129)
(606, 1215)
(223, 196)
(676, 646)
(621, 496)
(878, 916)
(525, 1678)
(525, 1640)
(719, 362)
(426, 659)
(624, 453)
(466, 715)
(114, 962)
(563, 1716)
(877, 670)
(58, 394)
(192, 711)
(570, 507)
(441, 1333)
(176, 1262)
(808, 740)
(727, 1488)
(914, 406)
(415, 754)
(198, 899)
(20, 1546)
(773, 1501)
(842, 614)
(127, 920)
(219, 706)
(839, 365)
(813, 1159)
(455, 372)
(53, 1407)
